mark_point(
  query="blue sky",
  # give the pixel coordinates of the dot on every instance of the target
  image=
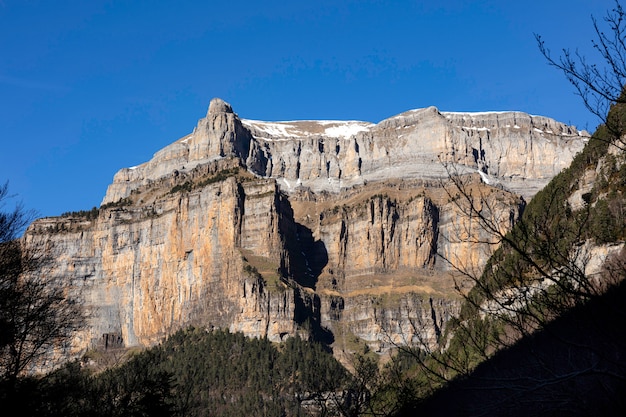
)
(89, 87)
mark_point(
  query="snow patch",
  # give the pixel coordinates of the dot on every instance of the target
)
(449, 114)
(480, 129)
(305, 128)
(345, 131)
(484, 177)
(275, 129)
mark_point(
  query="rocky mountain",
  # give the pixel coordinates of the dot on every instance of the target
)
(340, 229)
(520, 151)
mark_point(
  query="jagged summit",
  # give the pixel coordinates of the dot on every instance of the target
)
(519, 151)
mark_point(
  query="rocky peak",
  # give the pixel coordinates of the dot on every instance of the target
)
(217, 105)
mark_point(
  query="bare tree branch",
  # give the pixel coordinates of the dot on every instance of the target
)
(599, 83)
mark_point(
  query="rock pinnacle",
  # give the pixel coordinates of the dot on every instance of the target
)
(218, 105)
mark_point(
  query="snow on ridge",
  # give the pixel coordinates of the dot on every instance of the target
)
(409, 113)
(335, 122)
(280, 129)
(345, 131)
(305, 128)
(449, 114)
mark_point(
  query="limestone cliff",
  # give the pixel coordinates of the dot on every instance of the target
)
(520, 151)
(150, 269)
(272, 228)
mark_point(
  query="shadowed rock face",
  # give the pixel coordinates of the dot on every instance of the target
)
(274, 227)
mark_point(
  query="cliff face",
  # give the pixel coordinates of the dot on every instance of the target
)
(148, 270)
(520, 151)
(343, 228)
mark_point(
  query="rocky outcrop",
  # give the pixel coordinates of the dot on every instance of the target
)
(387, 320)
(272, 228)
(220, 134)
(520, 151)
(382, 257)
(394, 229)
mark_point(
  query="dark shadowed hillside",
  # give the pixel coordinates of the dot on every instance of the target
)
(576, 366)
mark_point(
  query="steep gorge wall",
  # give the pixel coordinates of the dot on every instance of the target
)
(387, 320)
(268, 228)
(148, 271)
(385, 256)
(392, 228)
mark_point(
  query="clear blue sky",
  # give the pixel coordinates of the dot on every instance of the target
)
(89, 87)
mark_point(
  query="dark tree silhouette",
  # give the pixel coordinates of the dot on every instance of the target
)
(598, 80)
(38, 313)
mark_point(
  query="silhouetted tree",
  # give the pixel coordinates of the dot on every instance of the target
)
(39, 313)
(599, 82)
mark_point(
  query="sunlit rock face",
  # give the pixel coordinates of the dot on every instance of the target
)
(147, 270)
(345, 229)
(517, 150)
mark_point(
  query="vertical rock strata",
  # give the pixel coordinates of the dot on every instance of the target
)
(148, 271)
(272, 227)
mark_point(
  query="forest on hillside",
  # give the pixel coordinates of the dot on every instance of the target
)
(198, 372)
